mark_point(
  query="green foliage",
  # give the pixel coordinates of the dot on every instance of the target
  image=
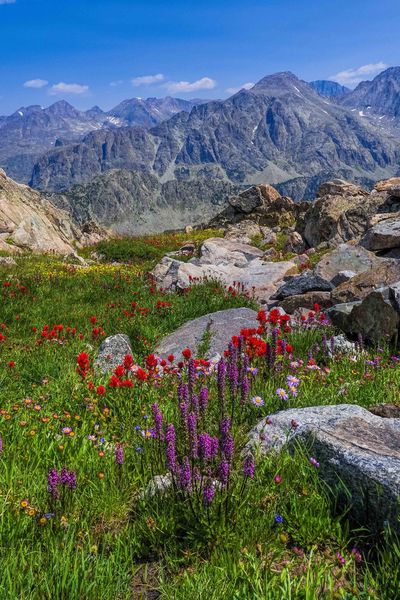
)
(106, 539)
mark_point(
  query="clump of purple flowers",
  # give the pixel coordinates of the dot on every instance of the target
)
(56, 480)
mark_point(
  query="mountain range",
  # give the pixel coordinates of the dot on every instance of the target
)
(31, 131)
(157, 164)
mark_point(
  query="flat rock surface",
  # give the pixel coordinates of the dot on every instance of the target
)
(345, 257)
(218, 328)
(351, 444)
(112, 352)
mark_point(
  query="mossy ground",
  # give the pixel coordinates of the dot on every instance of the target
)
(103, 541)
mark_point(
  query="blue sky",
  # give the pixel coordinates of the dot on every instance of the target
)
(103, 51)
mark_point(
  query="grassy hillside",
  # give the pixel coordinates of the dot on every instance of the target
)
(89, 531)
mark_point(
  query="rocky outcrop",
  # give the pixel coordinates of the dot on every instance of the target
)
(231, 263)
(28, 221)
(345, 258)
(384, 235)
(351, 446)
(211, 333)
(384, 273)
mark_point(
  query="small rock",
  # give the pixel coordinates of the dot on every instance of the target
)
(112, 352)
(387, 411)
(306, 300)
(342, 277)
(7, 261)
(294, 243)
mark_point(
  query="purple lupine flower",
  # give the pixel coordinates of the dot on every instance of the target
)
(195, 403)
(214, 447)
(228, 446)
(53, 480)
(208, 493)
(184, 409)
(158, 421)
(244, 391)
(185, 474)
(203, 398)
(233, 375)
(249, 467)
(223, 472)
(183, 392)
(325, 343)
(68, 478)
(221, 382)
(171, 448)
(283, 346)
(269, 356)
(224, 426)
(119, 454)
(72, 483)
(193, 440)
(191, 376)
(205, 446)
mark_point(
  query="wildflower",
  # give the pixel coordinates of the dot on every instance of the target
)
(208, 493)
(314, 462)
(66, 430)
(278, 479)
(100, 475)
(282, 394)
(100, 390)
(252, 370)
(223, 472)
(24, 504)
(248, 467)
(138, 449)
(293, 390)
(340, 558)
(278, 518)
(185, 474)
(119, 454)
(186, 353)
(257, 401)
(171, 448)
(357, 555)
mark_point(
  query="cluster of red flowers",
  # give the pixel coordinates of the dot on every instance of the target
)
(56, 332)
(83, 362)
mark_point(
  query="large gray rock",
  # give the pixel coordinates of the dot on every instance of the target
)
(340, 314)
(216, 328)
(385, 235)
(248, 200)
(112, 352)
(227, 262)
(352, 446)
(243, 231)
(306, 282)
(346, 257)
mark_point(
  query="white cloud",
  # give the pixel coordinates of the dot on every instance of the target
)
(245, 86)
(7, 1)
(115, 83)
(147, 79)
(185, 86)
(35, 83)
(68, 88)
(352, 77)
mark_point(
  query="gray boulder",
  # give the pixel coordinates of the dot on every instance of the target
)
(346, 257)
(384, 235)
(215, 330)
(306, 282)
(374, 318)
(352, 446)
(112, 352)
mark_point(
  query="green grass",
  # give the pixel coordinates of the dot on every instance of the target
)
(105, 540)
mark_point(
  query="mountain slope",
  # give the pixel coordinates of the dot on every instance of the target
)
(28, 221)
(31, 131)
(329, 89)
(381, 96)
(279, 131)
